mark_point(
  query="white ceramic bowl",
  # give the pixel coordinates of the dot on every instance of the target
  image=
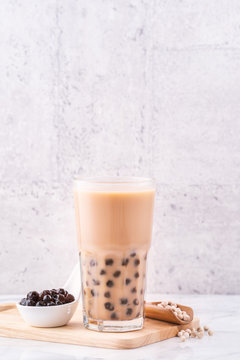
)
(47, 316)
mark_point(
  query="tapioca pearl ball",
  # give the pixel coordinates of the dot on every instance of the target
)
(96, 282)
(136, 275)
(30, 302)
(102, 272)
(129, 311)
(33, 295)
(110, 283)
(93, 263)
(23, 302)
(107, 294)
(134, 290)
(41, 303)
(109, 262)
(127, 281)
(114, 316)
(136, 262)
(125, 262)
(135, 302)
(60, 291)
(51, 303)
(69, 298)
(133, 254)
(56, 302)
(93, 292)
(123, 301)
(109, 306)
(62, 298)
(43, 293)
(47, 298)
(117, 273)
(53, 293)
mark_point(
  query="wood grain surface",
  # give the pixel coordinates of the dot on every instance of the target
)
(13, 326)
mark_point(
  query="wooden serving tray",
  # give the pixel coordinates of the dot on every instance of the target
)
(13, 326)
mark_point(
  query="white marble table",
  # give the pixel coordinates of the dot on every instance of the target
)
(220, 312)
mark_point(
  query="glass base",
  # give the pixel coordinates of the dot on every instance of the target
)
(113, 326)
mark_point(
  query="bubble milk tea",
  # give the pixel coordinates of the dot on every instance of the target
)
(114, 226)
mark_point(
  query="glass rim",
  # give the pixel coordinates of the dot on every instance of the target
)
(114, 182)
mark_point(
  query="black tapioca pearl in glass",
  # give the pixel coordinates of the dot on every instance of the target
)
(96, 282)
(125, 262)
(102, 272)
(123, 301)
(114, 316)
(141, 292)
(136, 275)
(93, 263)
(127, 281)
(133, 254)
(117, 274)
(84, 291)
(110, 283)
(134, 290)
(109, 306)
(109, 262)
(93, 292)
(136, 262)
(107, 294)
(138, 314)
(135, 302)
(89, 273)
(129, 311)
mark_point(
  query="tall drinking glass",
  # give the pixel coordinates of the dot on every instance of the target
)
(114, 226)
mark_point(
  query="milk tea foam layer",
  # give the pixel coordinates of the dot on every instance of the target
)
(114, 235)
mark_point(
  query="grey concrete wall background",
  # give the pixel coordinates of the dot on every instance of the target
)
(128, 87)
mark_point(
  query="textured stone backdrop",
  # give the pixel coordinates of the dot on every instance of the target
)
(124, 87)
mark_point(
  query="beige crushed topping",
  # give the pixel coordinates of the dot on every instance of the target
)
(193, 333)
(169, 305)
